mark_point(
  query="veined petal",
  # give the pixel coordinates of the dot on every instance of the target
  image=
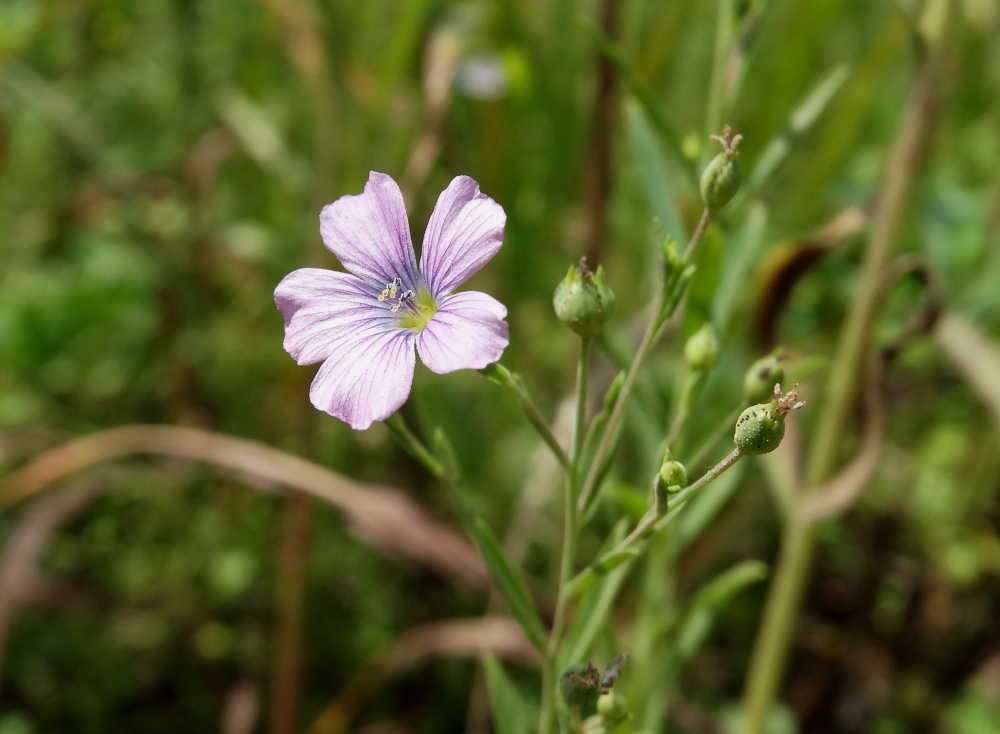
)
(366, 378)
(369, 233)
(467, 332)
(320, 307)
(464, 232)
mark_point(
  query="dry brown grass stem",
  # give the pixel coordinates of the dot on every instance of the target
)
(384, 517)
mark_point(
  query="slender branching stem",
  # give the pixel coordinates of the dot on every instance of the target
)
(570, 531)
(412, 445)
(513, 383)
(653, 330)
(653, 522)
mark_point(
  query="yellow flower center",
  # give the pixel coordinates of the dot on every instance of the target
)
(417, 311)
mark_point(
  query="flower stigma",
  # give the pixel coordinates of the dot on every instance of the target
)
(420, 308)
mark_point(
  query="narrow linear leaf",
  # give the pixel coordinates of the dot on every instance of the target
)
(510, 712)
(509, 583)
(701, 612)
(802, 118)
(653, 171)
(607, 563)
(595, 606)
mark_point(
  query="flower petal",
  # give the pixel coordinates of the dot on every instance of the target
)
(467, 332)
(320, 307)
(367, 376)
(464, 232)
(369, 233)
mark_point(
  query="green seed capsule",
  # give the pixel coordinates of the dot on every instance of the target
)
(583, 300)
(613, 708)
(758, 431)
(720, 181)
(701, 350)
(722, 176)
(763, 375)
(760, 428)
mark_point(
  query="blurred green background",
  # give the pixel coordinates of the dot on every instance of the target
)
(162, 165)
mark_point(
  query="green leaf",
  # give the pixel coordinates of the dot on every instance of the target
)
(510, 712)
(703, 508)
(799, 122)
(701, 291)
(607, 563)
(653, 171)
(740, 255)
(595, 606)
(509, 583)
(702, 610)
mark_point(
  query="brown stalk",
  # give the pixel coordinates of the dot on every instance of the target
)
(452, 638)
(597, 183)
(241, 707)
(293, 555)
(385, 517)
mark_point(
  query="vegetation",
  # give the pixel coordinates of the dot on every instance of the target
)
(188, 545)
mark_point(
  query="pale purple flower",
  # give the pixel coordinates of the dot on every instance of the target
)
(364, 325)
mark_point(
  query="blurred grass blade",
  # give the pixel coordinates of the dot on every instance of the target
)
(607, 563)
(642, 92)
(60, 109)
(510, 713)
(261, 138)
(704, 508)
(740, 254)
(509, 583)
(652, 171)
(801, 119)
(701, 612)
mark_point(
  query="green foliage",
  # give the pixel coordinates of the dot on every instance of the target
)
(509, 584)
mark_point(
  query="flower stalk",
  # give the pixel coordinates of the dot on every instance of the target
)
(570, 532)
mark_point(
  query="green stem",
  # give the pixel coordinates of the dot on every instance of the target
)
(692, 386)
(411, 444)
(723, 46)
(500, 375)
(661, 311)
(570, 531)
(653, 522)
(775, 635)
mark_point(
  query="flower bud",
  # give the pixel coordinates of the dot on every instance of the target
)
(578, 684)
(673, 475)
(763, 375)
(702, 349)
(760, 428)
(583, 301)
(671, 478)
(613, 708)
(722, 176)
